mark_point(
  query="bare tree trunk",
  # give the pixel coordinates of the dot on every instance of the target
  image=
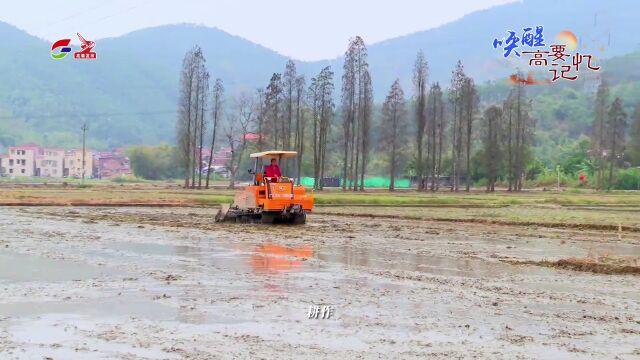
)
(301, 153)
(261, 116)
(456, 180)
(211, 152)
(518, 141)
(194, 137)
(184, 127)
(188, 150)
(351, 151)
(454, 161)
(510, 149)
(357, 155)
(323, 147)
(201, 136)
(440, 128)
(232, 175)
(316, 142)
(217, 102)
(366, 120)
(469, 123)
(432, 133)
(612, 156)
(188, 153)
(299, 132)
(392, 180)
(420, 86)
(357, 146)
(345, 165)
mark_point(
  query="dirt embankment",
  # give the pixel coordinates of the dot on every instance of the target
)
(39, 202)
(558, 225)
(617, 266)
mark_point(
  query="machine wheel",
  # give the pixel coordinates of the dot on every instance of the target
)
(299, 219)
(268, 218)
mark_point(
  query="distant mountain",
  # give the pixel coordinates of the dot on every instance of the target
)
(129, 94)
(598, 24)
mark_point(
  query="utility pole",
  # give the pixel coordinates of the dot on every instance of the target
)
(84, 132)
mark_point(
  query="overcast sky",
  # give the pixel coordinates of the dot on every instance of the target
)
(294, 28)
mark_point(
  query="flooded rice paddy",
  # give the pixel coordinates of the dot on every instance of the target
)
(169, 283)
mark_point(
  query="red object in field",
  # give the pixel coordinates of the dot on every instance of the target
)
(582, 177)
(272, 170)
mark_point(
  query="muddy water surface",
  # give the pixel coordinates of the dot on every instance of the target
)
(169, 283)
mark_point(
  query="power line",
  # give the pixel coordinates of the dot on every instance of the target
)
(123, 11)
(72, 114)
(81, 12)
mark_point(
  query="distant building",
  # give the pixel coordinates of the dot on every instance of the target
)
(73, 163)
(3, 162)
(220, 160)
(49, 162)
(21, 160)
(108, 164)
(33, 160)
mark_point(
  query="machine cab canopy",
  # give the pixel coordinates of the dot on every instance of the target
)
(259, 167)
(278, 154)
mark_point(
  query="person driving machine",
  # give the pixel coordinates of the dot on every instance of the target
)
(272, 171)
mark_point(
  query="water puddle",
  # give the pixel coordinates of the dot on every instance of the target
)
(117, 306)
(156, 249)
(42, 337)
(25, 268)
(437, 265)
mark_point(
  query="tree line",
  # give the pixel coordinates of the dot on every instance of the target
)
(608, 136)
(454, 137)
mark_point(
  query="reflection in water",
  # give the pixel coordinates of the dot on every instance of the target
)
(393, 260)
(271, 258)
(274, 258)
(26, 268)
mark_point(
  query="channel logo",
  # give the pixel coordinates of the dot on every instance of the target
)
(60, 49)
(86, 47)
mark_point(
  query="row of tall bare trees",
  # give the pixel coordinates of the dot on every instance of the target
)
(286, 104)
(519, 132)
(607, 135)
(191, 123)
(436, 127)
(277, 116)
(193, 126)
(394, 127)
(282, 118)
(322, 108)
(285, 98)
(430, 121)
(463, 98)
(357, 111)
(507, 133)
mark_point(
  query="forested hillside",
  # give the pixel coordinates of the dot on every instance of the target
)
(130, 94)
